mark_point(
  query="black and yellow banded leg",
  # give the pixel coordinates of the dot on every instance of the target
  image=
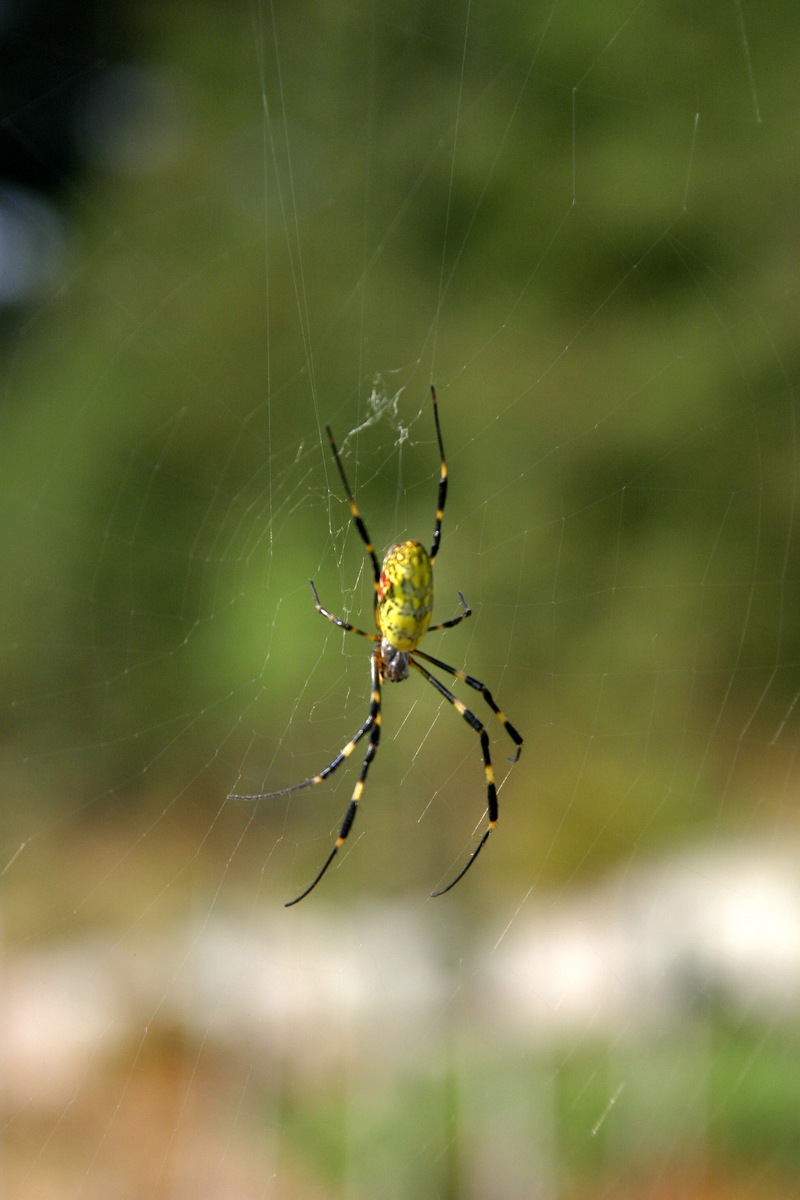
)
(358, 520)
(491, 790)
(373, 723)
(442, 498)
(470, 681)
(462, 616)
(344, 753)
(345, 625)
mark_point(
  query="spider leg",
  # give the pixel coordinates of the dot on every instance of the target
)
(345, 625)
(484, 691)
(440, 503)
(373, 723)
(358, 520)
(347, 750)
(491, 790)
(456, 620)
(344, 753)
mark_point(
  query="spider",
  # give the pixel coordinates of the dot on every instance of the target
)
(402, 607)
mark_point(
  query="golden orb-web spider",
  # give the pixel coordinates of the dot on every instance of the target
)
(402, 606)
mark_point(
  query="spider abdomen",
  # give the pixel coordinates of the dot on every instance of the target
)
(405, 595)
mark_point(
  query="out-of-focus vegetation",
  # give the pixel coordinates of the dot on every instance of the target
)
(582, 222)
(612, 243)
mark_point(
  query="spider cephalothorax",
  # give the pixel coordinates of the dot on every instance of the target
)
(403, 605)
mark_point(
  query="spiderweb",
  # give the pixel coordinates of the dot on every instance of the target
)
(577, 221)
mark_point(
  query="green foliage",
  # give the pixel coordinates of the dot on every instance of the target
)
(593, 217)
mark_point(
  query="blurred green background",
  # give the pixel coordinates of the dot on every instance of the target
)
(581, 222)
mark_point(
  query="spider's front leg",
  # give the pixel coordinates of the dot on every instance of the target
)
(373, 721)
(479, 728)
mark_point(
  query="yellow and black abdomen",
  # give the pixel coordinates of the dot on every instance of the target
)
(405, 595)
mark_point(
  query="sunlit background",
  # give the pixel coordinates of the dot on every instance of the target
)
(222, 227)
